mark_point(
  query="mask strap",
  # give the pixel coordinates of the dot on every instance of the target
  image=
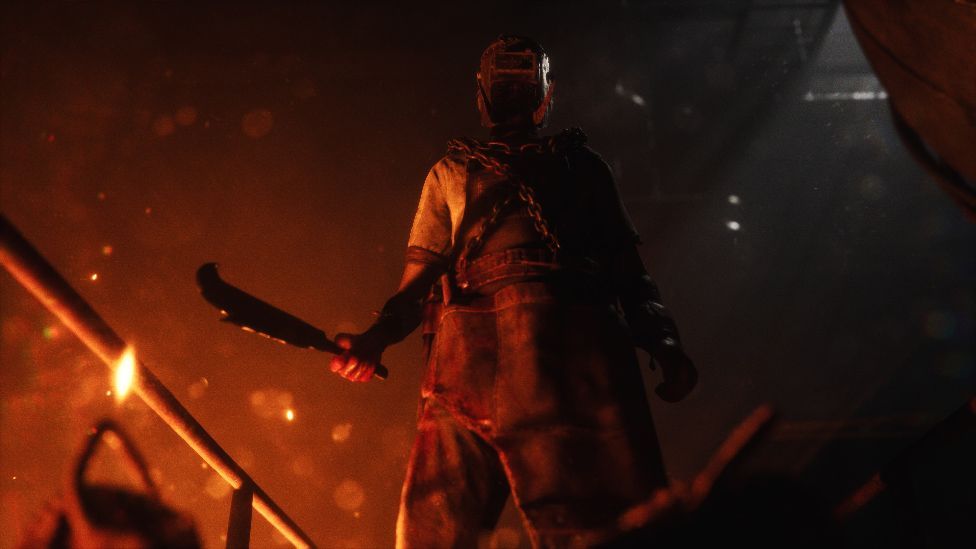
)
(539, 115)
(484, 97)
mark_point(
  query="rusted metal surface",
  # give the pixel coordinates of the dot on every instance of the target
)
(923, 54)
(32, 271)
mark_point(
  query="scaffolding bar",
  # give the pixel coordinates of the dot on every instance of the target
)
(32, 271)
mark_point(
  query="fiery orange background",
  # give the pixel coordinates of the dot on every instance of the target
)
(288, 142)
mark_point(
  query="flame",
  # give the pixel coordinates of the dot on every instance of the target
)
(125, 373)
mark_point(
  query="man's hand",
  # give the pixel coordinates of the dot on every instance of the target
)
(680, 374)
(358, 363)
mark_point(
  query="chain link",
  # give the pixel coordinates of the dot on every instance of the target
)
(484, 154)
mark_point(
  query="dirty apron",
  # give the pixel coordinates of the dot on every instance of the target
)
(534, 390)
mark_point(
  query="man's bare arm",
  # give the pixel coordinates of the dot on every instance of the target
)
(400, 316)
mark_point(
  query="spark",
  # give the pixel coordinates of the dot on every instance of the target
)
(125, 373)
(290, 414)
(107, 250)
(734, 199)
(638, 100)
(733, 225)
(93, 277)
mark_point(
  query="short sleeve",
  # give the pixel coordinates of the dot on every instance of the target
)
(613, 226)
(431, 228)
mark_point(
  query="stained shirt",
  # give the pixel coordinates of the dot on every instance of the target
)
(593, 205)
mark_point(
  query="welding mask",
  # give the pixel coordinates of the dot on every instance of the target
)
(105, 516)
(514, 83)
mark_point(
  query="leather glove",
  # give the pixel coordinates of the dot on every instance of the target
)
(680, 374)
(657, 333)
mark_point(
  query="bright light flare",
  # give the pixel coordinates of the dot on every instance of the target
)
(290, 414)
(125, 373)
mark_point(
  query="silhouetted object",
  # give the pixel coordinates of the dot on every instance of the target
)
(924, 53)
(897, 478)
(260, 317)
(94, 516)
(723, 508)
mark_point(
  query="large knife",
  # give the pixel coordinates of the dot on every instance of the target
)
(254, 315)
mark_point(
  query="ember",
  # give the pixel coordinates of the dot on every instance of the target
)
(125, 371)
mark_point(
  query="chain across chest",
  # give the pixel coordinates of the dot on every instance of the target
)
(496, 158)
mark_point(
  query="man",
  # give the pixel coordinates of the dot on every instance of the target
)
(532, 386)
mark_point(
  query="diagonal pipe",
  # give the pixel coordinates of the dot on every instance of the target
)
(29, 268)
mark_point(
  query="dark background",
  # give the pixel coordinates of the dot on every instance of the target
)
(289, 143)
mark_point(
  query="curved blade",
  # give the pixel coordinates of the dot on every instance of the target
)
(254, 315)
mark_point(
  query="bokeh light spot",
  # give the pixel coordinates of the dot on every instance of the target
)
(349, 495)
(257, 123)
(198, 388)
(303, 466)
(341, 432)
(217, 487)
(186, 116)
(163, 125)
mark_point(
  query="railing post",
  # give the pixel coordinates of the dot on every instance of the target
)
(239, 526)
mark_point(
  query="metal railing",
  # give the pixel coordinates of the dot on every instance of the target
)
(29, 268)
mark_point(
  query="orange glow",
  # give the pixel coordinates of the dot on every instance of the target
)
(290, 414)
(341, 432)
(93, 277)
(125, 373)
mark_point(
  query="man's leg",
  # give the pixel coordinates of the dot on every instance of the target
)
(455, 487)
(573, 428)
